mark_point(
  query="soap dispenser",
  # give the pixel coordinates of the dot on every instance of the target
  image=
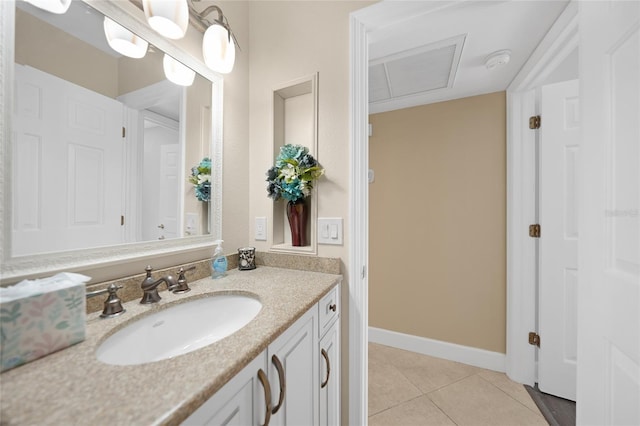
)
(219, 262)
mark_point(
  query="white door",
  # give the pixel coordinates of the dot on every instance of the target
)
(169, 189)
(609, 252)
(67, 165)
(558, 247)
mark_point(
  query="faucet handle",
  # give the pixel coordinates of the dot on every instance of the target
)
(183, 287)
(113, 304)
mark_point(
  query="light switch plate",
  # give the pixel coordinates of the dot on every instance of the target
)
(261, 229)
(191, 226)
(330, 230)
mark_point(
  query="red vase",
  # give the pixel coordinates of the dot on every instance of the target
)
(298, 216)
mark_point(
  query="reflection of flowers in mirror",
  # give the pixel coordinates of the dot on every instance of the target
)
(293, 174)
(201, 179)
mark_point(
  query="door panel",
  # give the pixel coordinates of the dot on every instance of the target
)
(558, 258)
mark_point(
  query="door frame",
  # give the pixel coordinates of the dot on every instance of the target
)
(522, 255)
(560, 41)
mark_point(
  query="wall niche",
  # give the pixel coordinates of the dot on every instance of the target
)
(295, 121)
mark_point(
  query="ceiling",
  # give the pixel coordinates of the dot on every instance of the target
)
(421, 52)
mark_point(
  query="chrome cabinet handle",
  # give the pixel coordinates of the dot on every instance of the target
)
(267, 395)
(283, 382)
(326, 358)
(161, 226)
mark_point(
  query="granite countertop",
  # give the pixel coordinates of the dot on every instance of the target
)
(72, 387)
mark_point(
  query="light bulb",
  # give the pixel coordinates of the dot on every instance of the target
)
(176, 72)
(170, 18)
(124, 41)
(218, 49)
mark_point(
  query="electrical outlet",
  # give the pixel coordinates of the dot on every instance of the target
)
(261, 229)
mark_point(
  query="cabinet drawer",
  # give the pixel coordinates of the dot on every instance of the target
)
(328, 309)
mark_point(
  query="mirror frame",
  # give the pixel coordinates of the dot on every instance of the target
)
(13, 269)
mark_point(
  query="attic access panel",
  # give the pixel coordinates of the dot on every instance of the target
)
(415, 71)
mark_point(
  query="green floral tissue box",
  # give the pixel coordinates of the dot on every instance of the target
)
(38, 317)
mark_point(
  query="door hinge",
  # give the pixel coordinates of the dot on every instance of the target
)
(534, 122)
(534, 231)
(534, 338)
(124, 131)
(121, 220)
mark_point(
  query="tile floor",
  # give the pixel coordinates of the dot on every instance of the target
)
(408, 389)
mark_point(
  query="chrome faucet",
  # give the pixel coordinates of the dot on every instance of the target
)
(150, 287)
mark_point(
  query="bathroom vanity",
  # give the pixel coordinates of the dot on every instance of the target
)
(283, 367)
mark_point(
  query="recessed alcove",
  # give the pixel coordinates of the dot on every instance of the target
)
(295, 112)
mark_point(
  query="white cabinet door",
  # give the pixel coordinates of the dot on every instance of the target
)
(240, 402)
(329, 376)
(293, 360)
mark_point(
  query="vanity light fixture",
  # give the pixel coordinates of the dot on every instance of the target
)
(177, 72)
(218, 44)
(124, 41)
(53, 6)
(169, 18)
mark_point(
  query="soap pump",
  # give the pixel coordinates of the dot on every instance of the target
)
(219, 262)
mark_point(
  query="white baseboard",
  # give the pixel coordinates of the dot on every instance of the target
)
(465, 354)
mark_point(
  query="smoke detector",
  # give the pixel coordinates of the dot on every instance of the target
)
(497, 59)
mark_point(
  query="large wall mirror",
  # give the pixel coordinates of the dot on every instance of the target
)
(97, 146)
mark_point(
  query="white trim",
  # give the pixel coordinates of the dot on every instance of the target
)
(558, 44)
(465, 354)
(358, 222)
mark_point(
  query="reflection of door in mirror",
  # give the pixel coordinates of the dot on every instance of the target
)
(161, 182)
(67, 159)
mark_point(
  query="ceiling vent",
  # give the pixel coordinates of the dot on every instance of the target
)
(415, 71)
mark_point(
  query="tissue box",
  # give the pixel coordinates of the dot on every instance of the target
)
(33, 326)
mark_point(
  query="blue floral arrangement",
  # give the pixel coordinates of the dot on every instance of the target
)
(293, 174)
(201, 179)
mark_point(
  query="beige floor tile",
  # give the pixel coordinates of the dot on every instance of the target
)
(419, 411)
(515, 390)
(388, 387)
(426, 372)
(475, 401)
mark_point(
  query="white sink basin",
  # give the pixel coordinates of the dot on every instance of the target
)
(179, 329)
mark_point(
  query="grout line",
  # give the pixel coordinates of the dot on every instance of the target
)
(512, 397)
(396, 405)
(441, 410)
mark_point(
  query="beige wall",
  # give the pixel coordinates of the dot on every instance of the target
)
(136, 74)
(289, 40)
(236, 152)
(45, 47)
(437, 231)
